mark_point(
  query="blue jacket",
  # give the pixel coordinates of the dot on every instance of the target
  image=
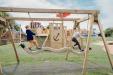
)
(29, 35)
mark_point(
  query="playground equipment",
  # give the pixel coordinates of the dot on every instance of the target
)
(56, 36)
(53, 34)
(93, 19)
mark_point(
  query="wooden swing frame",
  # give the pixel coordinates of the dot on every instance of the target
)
(35, 10)
(1, 69)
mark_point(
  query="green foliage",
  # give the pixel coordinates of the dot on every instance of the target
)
(12, 23)
(16, 27)
(109, 32)
(3, 14)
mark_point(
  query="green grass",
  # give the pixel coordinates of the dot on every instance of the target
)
(96, 56)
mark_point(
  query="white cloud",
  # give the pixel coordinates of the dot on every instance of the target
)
(106, 9)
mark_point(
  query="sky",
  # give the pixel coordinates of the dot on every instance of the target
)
(105, 7)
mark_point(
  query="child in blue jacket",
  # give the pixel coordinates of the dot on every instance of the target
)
(30, 38)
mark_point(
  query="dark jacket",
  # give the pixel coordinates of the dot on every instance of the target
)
(29, 35)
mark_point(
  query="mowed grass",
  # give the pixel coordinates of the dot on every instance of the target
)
(96, 56)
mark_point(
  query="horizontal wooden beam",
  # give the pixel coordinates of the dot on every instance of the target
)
(39, 10)
(84, 19)
(40, 19)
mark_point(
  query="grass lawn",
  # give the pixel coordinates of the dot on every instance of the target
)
(97, 57)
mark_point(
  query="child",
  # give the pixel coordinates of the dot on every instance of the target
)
(74, 39)
(46, 30)
(30, 38)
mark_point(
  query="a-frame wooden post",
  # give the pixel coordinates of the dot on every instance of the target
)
(63, 35)
(105, 44)
(1, 69)
(64, 40)
(12, 42)
(85, 62)
(81, 40)
(20, 35)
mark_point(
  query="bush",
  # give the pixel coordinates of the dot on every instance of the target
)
(109, 32)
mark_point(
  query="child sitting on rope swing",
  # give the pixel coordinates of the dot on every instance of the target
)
(30, 38)
(75, 36)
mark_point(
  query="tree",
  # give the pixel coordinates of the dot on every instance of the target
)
(109, 32)
(12, 23)
(16, 27)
